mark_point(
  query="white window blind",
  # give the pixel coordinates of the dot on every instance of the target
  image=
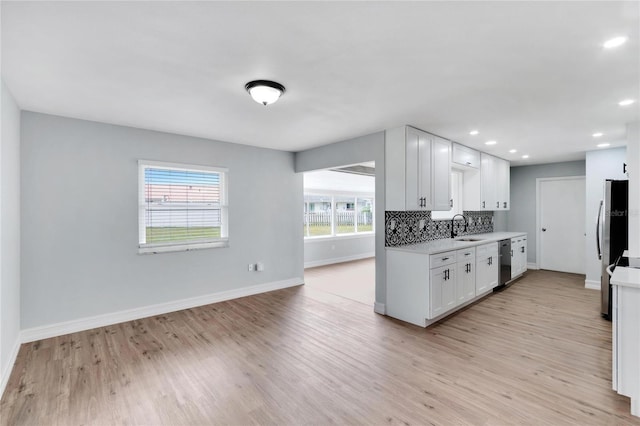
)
(181, 207)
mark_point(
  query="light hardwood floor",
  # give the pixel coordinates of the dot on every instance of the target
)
(355, 280)
(536, 353)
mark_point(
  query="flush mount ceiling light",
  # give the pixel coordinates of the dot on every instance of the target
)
(264, 92)
(513, 151)
(473, 132)
(597, 135)
(626, 102)
(603, 145)
(490, 142)
(525, 156)
(614, 42)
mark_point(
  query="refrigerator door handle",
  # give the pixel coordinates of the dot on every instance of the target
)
(598, 230)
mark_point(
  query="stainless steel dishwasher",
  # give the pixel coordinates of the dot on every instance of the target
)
(505, 255)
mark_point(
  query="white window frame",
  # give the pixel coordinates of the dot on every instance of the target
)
(333, 195)
(152, 248)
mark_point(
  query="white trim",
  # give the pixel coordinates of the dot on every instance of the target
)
(62, 328)
(339, 237)
(329, 192)
(539, 213)
(592, 284)
(380, 308)
(6, 373)
(181, 166)
(185, 246)
(322, 262)
(531, 265)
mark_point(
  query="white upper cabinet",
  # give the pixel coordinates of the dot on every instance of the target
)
(417, 176)
(489, 187)
(441, 174)
(488, 178)
(417, 170)
(465, 156)
(503, 173)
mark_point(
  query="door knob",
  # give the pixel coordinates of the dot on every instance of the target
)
(544, 229)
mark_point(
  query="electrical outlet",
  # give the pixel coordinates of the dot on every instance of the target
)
(251, 267)
(259, 266)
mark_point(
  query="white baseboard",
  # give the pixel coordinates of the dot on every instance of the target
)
(8, 368)
(322, 262)
(533, 266)
(380, 308)
(592, 285)
(62, 328)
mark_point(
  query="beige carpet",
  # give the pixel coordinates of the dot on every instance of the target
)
(354, 280)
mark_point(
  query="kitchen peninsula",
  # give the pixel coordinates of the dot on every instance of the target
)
(430, 280)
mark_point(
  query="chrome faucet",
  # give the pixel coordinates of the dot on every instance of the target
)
(453, 232)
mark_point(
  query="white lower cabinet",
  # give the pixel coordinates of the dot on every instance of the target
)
(487, 267)
(465, 275)
(442, 283)
(442, 298)
(422, 288)
(518, 256)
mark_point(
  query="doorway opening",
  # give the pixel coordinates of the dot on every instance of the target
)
(339, 231)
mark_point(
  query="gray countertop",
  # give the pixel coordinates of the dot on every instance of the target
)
(439, 246)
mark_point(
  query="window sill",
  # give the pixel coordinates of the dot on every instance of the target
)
(155, 249)
(320, 239)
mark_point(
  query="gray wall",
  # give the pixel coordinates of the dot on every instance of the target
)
(352, 151)
(80, 219)
(600, 165)
(323, 251)
(522, 215)
(9, 232)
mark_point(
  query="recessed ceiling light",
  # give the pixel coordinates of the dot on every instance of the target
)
(626, 102)
(614, 42)
(474, 132)
(603, 145)
(597, 135)
(490, 142)
(513, 151)
(525, 156)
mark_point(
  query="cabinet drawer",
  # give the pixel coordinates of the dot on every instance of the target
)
(466, 254)
(487, 249)
(466, 156)
(442, 259)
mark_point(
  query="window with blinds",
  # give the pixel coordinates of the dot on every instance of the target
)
(181, 207)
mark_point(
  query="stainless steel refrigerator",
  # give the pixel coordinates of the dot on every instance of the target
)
(611, 234)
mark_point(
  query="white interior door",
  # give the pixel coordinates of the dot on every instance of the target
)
(561, 221)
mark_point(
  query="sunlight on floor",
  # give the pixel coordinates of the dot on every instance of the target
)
(354, 280)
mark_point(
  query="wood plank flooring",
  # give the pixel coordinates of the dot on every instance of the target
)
(536, 353)
(355, 280)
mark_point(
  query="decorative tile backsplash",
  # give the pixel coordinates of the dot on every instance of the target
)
(402, 228)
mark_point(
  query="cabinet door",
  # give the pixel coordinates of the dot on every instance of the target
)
(502, 184)
(465, 281)
(487, 182)
(483, 268)
(493, 272)
(418, 170)
(442, 290)
(523, 253)
(441, 168)
(412, 171)
(465, 156)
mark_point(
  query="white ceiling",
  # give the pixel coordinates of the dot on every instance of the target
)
(531, 75)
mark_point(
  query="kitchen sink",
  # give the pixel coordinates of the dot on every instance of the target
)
(469, 239)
